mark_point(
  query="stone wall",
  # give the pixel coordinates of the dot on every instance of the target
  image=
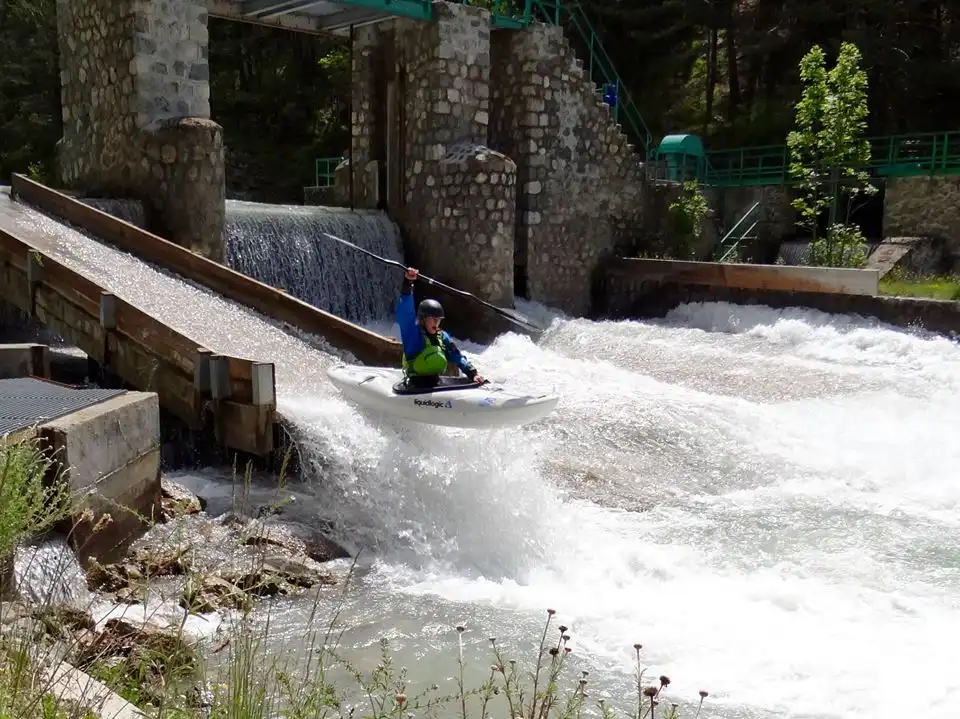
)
(776, 218)
(457, 197)
(580, 183)
(366, 105)
(925, 207)
(136, 113)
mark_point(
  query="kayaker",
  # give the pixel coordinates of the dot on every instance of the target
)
(427, 349)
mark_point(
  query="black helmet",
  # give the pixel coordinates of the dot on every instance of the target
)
(430, 308)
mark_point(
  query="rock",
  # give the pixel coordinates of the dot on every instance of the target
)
(110, 577)
(17, 622)
(209, 594)
(63, 620)
(277, 575)
(162, 647)
(316, 546)
(131, 595)
(177, 501)
(163, 561)
(147, 651)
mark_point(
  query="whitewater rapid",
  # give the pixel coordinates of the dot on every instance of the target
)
(767, 500)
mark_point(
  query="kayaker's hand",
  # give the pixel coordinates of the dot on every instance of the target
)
(412, 273)
(479, 379)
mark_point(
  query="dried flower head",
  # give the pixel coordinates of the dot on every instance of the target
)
(664, 681)
(704, 693)
(104, 521)
(650, 692)
(461, 628)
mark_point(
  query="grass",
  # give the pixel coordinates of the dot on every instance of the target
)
(169, 678)
(900, 284)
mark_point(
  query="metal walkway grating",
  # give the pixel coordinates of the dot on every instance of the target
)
(25, 401)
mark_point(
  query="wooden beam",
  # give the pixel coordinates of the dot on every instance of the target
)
(139, 349)
(369, 347)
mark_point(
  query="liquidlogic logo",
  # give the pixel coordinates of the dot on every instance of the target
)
(433, 403)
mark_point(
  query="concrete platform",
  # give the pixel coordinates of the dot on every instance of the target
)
(110, 456)
(105, 444)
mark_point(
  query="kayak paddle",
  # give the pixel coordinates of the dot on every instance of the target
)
(511, 315)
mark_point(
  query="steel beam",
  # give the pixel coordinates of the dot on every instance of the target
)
(340, 20)
(264, 9)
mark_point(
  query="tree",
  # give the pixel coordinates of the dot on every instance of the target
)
(828, 151)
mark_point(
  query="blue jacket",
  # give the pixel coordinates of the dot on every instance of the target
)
(411, 334)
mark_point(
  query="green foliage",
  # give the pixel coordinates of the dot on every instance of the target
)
(504, 8)
(843, 246)
(29, 504)
(30, 123)
(828, 150)
(686, 215)
(899, 283)
(283, 99)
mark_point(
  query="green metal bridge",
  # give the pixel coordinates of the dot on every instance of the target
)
(682, 157)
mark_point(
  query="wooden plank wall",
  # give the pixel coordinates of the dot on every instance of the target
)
(368, 347)
(143, 352)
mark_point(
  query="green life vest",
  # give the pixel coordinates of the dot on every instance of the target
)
(431, 360)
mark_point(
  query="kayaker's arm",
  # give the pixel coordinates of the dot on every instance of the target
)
(456, 356)
(410, 334)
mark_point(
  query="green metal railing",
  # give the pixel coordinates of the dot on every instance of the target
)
(761, 165)
(932, 153)
(728, 244)
(325, 169)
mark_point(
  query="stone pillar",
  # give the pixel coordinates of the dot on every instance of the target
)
(580, 184)
(458, 194)
(136, 113)
(367, 104)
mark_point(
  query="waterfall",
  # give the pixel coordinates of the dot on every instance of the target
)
(281, 245)
(127, 210)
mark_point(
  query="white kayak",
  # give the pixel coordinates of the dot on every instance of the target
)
(455, 402)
